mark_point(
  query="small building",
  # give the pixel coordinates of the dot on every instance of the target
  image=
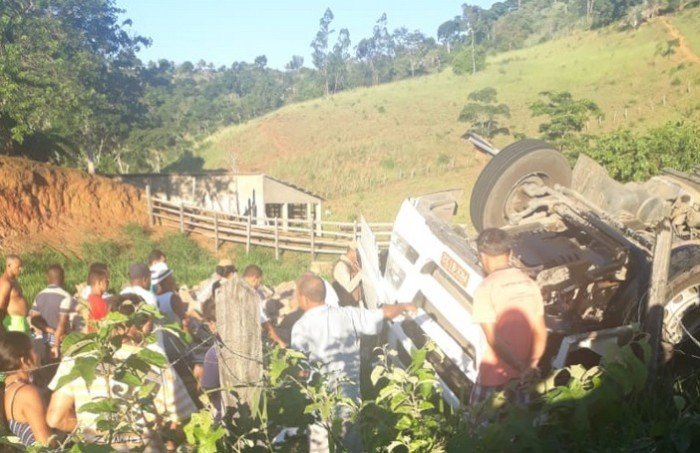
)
(258, 195)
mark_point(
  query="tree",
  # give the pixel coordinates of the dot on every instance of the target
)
(68, 68)
(261, 61)
(484, 113)
(412, 45)
(296, 63)
(567, 116)
(468, 60)
(339, 58)
(320, 46)
(378, 50)
(449, 33)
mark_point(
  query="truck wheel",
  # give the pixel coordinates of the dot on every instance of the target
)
(680, 338)
(498, 193)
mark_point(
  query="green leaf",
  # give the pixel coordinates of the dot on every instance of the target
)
(68, 378)
(147, 389)
(86, 367)
(109, 405)
(115, 317)
(129, 379)
(70, 340)
(152, 357)
(377, 373)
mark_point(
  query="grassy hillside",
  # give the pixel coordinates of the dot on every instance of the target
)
(366, 149)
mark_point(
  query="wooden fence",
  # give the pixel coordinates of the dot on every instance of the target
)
(314, 237)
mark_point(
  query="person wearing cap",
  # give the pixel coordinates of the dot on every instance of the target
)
(155, 258)
(224, 270)
(169, 302)
(347, 278)
(139, 283)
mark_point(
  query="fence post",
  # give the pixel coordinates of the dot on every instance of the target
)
(354, 230)
(657, 295)
(240, 350)
(247, 235)
(150, 205)
(277, 238)
(313, 238)
(216, 231)
(182, 217)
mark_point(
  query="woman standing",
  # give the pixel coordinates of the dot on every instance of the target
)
(24, 411)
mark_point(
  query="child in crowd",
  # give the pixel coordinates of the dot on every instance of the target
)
(98, 305)
(85, 292)
(24, 411)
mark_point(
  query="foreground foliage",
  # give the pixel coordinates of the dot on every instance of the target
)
(636, 156)
(607, 407)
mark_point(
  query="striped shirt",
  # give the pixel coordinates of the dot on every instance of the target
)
(170, 397)
(52, 302)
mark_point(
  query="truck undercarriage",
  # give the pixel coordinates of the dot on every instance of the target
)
(586, 239)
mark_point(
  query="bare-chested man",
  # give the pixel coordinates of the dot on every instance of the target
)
(13, 307)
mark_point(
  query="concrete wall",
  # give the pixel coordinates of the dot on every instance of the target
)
(216, 192)
(224, 192)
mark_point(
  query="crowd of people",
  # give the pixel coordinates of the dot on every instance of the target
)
(42, 395)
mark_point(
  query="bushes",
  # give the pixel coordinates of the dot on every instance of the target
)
(633, 156)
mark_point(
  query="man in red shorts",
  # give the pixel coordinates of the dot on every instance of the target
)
(508, 304)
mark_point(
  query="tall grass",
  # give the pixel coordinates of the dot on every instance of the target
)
(190, 262)
(288, 268)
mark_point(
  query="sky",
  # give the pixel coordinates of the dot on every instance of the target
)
(224, 31)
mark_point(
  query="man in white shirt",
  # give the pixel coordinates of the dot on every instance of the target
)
(140, 283)
(331, 336)
(225, 270)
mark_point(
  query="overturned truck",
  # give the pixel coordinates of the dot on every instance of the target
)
(586, 239)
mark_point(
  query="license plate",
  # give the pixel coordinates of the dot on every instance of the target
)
(454, 269)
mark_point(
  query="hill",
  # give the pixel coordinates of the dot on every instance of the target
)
(367, 149)
(46, 204)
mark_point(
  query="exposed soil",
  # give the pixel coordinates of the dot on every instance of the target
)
(685, 52)
(42, 204)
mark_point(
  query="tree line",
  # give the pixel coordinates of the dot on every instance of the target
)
(73, 90)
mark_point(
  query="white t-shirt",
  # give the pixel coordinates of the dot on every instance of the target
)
(261, 302)
(331, 296)
(170, 396)
(87, 290)
(145, 294)
(331, 335)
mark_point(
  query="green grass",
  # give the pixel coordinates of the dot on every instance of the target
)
(288, 268)
(687, 23)
(190, 262)
(365, 160)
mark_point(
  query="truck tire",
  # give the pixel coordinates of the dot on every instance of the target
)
(681, 327)
(493, 194)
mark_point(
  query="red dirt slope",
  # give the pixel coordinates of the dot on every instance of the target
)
(45, 204)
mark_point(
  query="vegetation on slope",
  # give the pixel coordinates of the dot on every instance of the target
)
(368, 148)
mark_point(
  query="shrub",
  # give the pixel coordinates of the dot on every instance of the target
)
(632, 156)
